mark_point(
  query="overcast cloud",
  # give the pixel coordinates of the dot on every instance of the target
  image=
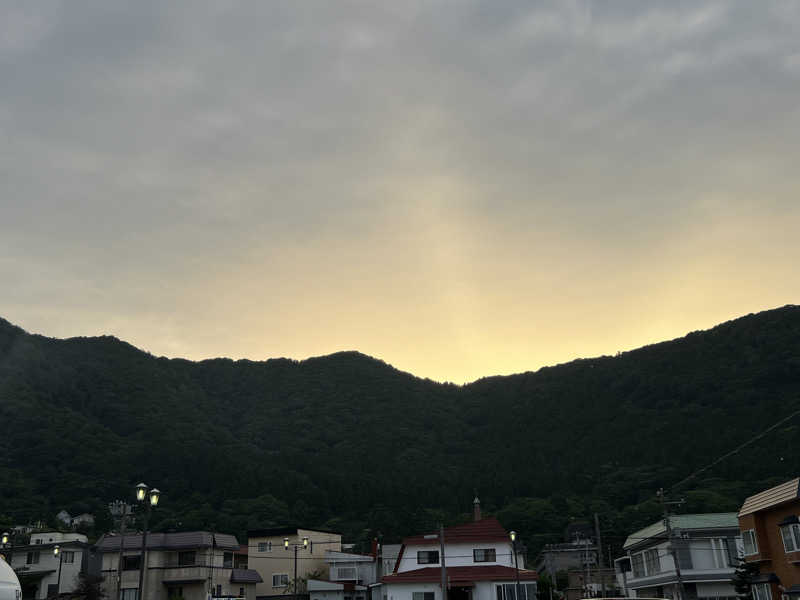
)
(458, 188)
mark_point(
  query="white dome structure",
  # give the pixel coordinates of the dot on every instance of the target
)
(9, 584)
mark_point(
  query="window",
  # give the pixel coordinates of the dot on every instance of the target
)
(484, 555)
(280, 579)
(32, 558)
(131, 563)
(791, 537)
(427, 557)
(761, 591)
(129, 594)
(719, 552)
(219, 590)
(265, 546)
(651, 563)
(346, 573)
(749, 539)
(69, 556)
(423, 596)
(637, 561)
(38, 541)
(227, 560)
(173, 593)
(241, 592)
(508, 591)
(187, 558)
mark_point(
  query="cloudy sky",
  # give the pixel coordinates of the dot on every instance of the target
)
(458, 188)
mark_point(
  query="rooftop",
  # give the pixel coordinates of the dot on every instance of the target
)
(485, 530)
(694, 521)
(288, 530)
(460, 575)
(779, 494)
(185, 540)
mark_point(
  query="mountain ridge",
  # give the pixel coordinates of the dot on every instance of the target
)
(350, 442)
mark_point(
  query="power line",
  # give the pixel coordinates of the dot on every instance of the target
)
(735, 450)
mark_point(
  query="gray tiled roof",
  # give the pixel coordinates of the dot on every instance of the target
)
(245, 576)
(185, 540)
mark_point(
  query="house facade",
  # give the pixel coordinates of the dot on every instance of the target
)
(707, 547)
(350, 576)
(770, 525)
(38, 567)
(193, 565)
(479, 564)
(275, 563)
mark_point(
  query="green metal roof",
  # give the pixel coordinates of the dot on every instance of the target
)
(696, 521)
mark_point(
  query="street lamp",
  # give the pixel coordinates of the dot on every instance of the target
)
(7, 540)
(513, 536)
(295, 545)
(150, 501)
(60, 556)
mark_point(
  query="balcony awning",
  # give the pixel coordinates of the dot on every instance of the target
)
(183, 580)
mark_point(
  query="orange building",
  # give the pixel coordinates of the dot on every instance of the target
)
(770, 526)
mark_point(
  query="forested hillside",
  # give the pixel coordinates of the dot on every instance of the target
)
(349, 442)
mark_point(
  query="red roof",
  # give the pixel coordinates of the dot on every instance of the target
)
(461, 575)
(485, 530)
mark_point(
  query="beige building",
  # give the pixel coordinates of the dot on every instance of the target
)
(193, 565)
(269, 556)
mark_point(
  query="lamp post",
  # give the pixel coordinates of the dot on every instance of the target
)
(295, 545)
(58, 554)
(6, 540)
(513, 536)
(150, 499)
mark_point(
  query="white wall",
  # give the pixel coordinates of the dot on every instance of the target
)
(715, 590)
(48, 562)
(404, 591)
(458, 555)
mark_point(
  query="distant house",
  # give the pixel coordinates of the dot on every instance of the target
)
(479, 565)
(350, 576)
(268, 556)
(707, 548)
(37, 566)
(84, 519)
(577, 554)
(192, 565)
(770, 525)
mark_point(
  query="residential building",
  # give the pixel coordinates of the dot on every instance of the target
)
(770, 526)
(592, 583)
(707, 548)
(38, 567)
(479, 564)
(83, 519)
(192, 565)
(575, 555)
(276, 563)
(350, 576)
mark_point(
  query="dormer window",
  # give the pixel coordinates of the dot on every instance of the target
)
(428, 557)
(484, 555)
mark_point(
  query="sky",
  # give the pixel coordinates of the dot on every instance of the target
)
(461, 189)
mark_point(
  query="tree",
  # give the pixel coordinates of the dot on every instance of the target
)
(89, 587)
(743, 577)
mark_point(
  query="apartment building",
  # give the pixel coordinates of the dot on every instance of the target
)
(193, 565)
(707, 547)
(770, 525)
(272, 552)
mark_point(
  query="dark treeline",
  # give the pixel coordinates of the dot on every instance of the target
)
(348, 442)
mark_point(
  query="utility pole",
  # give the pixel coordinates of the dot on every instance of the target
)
(441, 558)
(600, 561)
(123, 510)
(671, 546)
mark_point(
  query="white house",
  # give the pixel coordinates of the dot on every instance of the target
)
(44, 574)
(479, 563)
(706, 546)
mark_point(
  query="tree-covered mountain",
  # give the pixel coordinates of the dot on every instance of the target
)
(349, 442)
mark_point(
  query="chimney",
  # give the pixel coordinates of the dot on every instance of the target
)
(476, 509)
